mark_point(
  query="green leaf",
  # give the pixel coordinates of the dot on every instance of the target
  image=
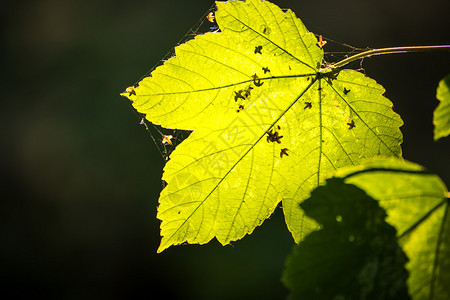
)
(355, 255)
(441, 116)
(268, 124)
(417, 205)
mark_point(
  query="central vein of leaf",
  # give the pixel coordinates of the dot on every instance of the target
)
(320, 132)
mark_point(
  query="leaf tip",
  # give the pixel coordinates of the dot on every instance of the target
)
(163, 246)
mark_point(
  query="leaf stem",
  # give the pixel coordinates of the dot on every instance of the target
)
(390, 50)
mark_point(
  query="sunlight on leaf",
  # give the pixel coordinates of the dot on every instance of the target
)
(441, 116)
(268, 125)
(417, 204)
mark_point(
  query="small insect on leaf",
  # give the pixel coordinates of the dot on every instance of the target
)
(346, 91)
(266, 30)
(266, 69)
(248, 91)
(256, 80)
(308, 105)
(210, 17)
(284, 152)
(351, 124)
(167, 139)
(238, 95)
(321, 42)
(273, 136)
(258, 49)
(130, 90)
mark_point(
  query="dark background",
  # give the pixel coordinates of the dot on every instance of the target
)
(81, 177)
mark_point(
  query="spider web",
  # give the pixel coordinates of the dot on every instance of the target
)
(160, 135)
(334, 51)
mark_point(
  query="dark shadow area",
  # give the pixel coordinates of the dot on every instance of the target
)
(355, 255)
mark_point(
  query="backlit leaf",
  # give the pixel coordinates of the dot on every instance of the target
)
(441, 116)
(269, 125)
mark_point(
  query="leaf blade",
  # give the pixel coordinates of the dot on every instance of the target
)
(263, 118)
(354, 255)
(350, 127)
(441, 115)
(417, 205)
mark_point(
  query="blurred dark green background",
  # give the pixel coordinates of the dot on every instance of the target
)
(81, 177)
